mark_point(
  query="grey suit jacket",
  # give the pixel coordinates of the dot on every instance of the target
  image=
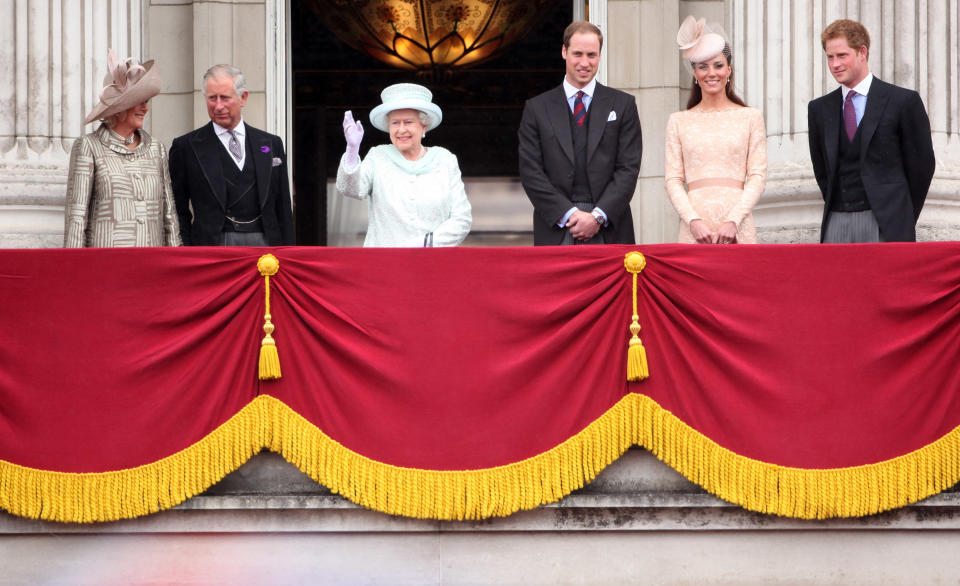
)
(896, 155)
(614, 149)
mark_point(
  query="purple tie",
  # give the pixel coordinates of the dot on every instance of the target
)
(579, 112)
(850, 115)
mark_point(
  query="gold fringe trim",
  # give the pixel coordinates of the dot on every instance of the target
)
(123, 494)
(491, 492)
(799, 492)
(456, 494)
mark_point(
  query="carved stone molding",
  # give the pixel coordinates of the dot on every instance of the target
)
(52, 61)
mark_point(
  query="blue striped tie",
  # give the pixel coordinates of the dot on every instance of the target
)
(579, 112)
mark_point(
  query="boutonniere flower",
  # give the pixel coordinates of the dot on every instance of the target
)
(264, 149)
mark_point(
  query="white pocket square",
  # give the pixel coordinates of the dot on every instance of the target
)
(612, 116)
(277, 162)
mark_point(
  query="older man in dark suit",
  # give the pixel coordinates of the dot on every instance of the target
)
(580, 148)
(230, 179)
(870, 146)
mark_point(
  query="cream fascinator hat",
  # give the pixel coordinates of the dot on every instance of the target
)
(700, 41)
(126, 85)
(403, 96)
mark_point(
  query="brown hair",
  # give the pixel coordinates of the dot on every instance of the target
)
(696, 94)
(583, 27)
(855, 33)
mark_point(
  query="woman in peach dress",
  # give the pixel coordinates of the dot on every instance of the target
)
(716, 149)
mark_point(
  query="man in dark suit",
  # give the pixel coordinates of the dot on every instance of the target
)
(870, 146)
(230, 179)
(580, 149)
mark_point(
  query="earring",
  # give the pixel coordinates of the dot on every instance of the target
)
(728, 81)
(696, 82)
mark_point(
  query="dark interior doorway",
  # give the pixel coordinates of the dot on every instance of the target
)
(481, 105)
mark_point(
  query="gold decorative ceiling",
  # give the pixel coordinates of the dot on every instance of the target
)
(430, 35)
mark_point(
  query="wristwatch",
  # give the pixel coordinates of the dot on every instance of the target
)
(598, 217)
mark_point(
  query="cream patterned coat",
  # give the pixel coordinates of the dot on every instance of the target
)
(117, 196)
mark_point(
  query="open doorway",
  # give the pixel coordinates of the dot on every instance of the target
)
(481, 105)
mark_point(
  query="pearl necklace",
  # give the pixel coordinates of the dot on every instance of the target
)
(420, 154)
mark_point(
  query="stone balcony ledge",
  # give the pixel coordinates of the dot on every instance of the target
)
(635, 493)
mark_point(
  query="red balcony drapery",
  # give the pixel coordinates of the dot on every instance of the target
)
(809, 381)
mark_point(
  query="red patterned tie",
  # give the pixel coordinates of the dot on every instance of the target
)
(579, 112)
(850, 115)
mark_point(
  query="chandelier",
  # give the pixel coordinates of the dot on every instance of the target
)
(430, 36)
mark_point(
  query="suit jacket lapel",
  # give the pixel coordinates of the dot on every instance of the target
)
(205, 144)
(597, 118)
(876, 102)
(262, 161)
(831, 128)
(558, 111)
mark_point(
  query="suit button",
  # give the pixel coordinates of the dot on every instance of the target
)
(140, 220)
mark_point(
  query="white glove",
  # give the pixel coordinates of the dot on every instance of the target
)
(353, 132)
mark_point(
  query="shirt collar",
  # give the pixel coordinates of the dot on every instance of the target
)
(571, 91)
(861, 88)
(240, 129)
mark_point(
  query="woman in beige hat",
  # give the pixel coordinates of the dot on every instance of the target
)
(415, 194)
(717, 147)
(118, 187)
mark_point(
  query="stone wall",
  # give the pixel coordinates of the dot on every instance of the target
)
(53, 58)
(52, 62)
(781, 67)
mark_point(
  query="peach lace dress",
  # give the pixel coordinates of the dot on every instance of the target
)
(716, 166)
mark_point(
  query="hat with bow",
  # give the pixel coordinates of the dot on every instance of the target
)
(699, 41)
(126, 84)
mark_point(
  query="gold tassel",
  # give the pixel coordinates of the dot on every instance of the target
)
(637, 369)
(269, 357)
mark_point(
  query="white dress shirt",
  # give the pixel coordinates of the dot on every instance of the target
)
(571, 91)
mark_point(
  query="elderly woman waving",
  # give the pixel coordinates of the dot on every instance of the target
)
(414, 193)
(118, 186)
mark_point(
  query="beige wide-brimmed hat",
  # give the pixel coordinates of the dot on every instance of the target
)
(699, 41)
(125, 85)
(404, 96)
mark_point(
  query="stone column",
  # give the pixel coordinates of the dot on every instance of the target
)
(780, 67)
(190, 36)
(52, 61)
(644, 60)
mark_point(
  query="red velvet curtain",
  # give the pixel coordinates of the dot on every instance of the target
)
(805, 356)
